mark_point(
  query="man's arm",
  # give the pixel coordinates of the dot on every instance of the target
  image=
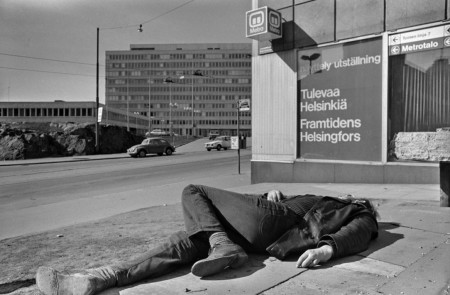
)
(354, 237)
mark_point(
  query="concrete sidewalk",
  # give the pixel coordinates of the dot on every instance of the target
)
(410, 256)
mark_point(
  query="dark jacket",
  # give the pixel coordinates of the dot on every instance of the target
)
(347, 225)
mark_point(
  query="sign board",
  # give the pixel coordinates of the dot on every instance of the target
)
(100, 113)
(263, 24)
(420, 40)
(244, 105)
(234, 142)
(340, 101)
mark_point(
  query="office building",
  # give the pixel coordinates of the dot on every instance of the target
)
(189, 89)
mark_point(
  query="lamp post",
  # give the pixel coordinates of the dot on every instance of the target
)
(97, 145)
(199, 74)
(149, 104)
(169, 81)
(128, 103)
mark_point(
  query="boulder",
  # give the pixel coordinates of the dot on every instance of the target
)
(53, 140)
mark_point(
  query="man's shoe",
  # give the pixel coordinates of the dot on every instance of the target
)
(52, 282)
(219, 258)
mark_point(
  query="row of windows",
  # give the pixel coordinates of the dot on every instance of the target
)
(135, 81)
(178, 56)
(228, 64)
(180, 89)
(177, 73)
(207, 122)
(110, 98)
(46, 112)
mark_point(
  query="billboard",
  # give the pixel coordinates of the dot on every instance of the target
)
(340, 101)
(263, 24)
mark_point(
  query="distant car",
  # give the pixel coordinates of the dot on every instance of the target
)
(159, 132)
(220, 142)
(152, 145)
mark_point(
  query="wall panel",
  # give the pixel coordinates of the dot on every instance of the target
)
(404, 13)
(314, 23)
(274, 100)
(358, 17)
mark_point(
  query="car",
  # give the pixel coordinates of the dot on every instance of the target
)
(220, 142)
(152, 145)
(159, 132)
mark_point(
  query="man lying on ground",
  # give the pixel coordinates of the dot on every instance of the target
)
(223, 226)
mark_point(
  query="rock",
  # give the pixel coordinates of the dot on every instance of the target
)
(51, 140)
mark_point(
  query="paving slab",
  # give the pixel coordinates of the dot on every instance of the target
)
(402, 246)
(429, 275)
(329, 280)
(259, 274)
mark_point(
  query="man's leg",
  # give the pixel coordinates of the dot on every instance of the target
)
(249, 221)
(178, 250)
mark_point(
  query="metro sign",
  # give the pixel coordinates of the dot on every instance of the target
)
(263, 24)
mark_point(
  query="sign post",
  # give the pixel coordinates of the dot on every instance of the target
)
(243, 105)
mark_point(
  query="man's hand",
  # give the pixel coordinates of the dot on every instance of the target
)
(313, 257)
(275, 196)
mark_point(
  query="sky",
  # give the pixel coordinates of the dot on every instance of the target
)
(48, 47)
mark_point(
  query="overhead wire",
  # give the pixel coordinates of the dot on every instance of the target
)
(150, 20)
(83, 63)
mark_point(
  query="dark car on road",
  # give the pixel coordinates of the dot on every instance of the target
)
(152, 145)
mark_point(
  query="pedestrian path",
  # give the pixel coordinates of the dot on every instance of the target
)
(410, 256)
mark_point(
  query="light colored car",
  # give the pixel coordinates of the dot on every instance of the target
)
(152, 145)
(220, 142)
(159, 132)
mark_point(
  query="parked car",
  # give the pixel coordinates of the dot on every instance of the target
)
(159, 132)
(152, 145)
(220, 142)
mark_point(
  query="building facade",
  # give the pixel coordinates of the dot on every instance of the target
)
(345, 79)
(74, 112)
(188, 89)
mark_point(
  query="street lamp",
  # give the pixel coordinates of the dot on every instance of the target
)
(199, 74)
(149, 104)
(97, 145)
(170, 82)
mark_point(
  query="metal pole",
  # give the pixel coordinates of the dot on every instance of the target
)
(128, 105)
(97, 146)
(192, 83)
(239, 140)
(149, 108)
(170, 110)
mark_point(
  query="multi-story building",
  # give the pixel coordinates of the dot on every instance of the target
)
(189, 89)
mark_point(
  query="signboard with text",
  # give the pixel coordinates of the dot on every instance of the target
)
(340, 101)
(420, 40)
(263, 24)
(234, 142)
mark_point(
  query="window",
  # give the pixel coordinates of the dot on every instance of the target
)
(419, 91)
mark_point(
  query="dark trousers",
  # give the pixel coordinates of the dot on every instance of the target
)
(249, 220)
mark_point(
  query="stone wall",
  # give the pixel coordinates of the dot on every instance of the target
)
(421, 146)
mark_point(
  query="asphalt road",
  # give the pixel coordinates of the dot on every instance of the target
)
(35, 198)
